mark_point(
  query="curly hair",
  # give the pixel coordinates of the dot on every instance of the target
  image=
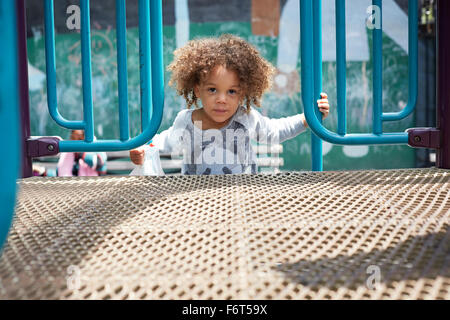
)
(193, 62)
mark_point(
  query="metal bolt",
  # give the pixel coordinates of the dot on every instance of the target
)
(50, 147)
(417, 139)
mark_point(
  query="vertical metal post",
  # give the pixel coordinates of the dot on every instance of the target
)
(377, 46)
(26, 161)
(121, 28)
(443, 83)
(306, 52)
(86, 71)
(9, 115)
(145, 64)
(341, 67)
(50, 71)
(316, 142)
(157, 68)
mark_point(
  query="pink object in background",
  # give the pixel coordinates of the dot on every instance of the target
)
(65, 166)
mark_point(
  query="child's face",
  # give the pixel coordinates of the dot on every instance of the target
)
(220, 94)
(77, 135)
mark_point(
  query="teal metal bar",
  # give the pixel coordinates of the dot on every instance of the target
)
(307, 71)
(86, 71)
(413, 27)
(145, 66)
(156, 27)
(9, 116)
(122, 69)
(377, 49)
(307, 79)
(147, 101)
(50, 66)
(341, 67)
(154, 102)
(316, 142)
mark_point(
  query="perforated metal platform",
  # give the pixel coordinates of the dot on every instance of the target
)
(380, 234)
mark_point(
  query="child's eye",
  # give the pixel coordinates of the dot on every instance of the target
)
(232, 91)
(212, 90)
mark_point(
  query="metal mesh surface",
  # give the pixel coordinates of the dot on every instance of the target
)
(381, 234)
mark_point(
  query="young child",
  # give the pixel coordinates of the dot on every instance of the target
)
(81, 163)
(227, 76)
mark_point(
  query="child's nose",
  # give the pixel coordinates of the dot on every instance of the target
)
(221, 97)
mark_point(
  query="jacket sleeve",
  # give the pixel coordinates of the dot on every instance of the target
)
(170, 140)
(273, 131)
(162, 141)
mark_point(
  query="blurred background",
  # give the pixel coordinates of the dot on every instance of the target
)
(273, 27)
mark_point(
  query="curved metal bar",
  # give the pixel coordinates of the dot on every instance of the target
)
(156, 27)
(413, 26)
(86, 71)
(122, 69)
(157, 86)
(50, 66)
(110, 145)
(145, 66)
(307, 76)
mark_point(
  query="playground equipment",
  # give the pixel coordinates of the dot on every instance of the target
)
(9, 117)
(349, 234)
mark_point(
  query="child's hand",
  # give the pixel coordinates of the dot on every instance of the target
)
(137, 156)
(324, 107)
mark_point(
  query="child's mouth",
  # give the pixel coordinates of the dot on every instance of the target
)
(220, 110)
